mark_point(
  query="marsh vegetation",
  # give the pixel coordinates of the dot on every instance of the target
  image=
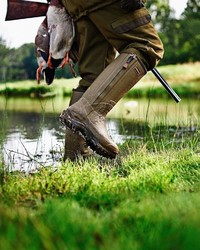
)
(147, 198)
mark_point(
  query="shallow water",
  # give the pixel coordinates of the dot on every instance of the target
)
(32, 136)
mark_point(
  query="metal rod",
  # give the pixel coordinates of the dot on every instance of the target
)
(166, 85)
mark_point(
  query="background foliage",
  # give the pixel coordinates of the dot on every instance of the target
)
(181, 39)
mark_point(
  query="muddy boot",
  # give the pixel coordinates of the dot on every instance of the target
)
(75, 144)
(88, 114)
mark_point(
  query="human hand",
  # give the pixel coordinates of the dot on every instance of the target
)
(131, 5)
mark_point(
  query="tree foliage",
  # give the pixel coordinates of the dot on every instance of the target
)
(192, 10)
(181, 39)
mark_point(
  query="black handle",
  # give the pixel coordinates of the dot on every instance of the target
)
(166, 85)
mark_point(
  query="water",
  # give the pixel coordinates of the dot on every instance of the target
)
(33, 137)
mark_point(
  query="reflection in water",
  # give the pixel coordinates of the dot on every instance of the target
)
(33, 140)
(24, 154)
(33, 137)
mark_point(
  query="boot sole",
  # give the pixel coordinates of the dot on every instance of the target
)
(91, 141)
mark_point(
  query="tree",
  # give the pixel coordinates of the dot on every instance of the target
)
(28, 60)
(180, 37)
(4, 51)
(160, 12)
(192, 10)
(190, 36)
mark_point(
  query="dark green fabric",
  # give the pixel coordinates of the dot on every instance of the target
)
(131, 5)
(102, 26)
(78, 8)
(95, 53)
(133, 30)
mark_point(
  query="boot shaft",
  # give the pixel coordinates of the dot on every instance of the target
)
(112, 84)
(88, 115)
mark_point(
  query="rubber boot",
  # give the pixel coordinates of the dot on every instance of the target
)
(88, 115)
(75, 144)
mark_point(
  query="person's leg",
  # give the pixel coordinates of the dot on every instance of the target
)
(140, 50)
(75, 144)
(95, 52)
(92, 46)
(88, 114)
(130, 32)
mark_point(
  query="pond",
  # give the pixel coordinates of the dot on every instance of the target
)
(32, 135)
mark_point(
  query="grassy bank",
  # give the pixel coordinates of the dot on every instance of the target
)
(148, 198)
(184, 79)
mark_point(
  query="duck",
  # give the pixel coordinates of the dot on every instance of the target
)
(42, 40)
(61, 34)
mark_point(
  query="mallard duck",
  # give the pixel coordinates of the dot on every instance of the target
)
(61, 33)
(42, 40)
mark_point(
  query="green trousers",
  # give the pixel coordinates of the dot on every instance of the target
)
(107, 29)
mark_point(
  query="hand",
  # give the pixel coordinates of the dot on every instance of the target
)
(131, 5)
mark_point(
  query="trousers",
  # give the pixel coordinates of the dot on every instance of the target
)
(108, 29)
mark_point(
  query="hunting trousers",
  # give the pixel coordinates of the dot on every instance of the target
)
(110, 28)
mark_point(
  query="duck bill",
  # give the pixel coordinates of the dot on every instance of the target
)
(20, 9)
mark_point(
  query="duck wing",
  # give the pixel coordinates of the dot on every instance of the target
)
(42, 40)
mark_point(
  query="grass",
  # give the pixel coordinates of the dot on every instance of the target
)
(148, 198)
(184, 78)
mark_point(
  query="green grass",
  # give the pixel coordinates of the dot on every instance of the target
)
(148, 198)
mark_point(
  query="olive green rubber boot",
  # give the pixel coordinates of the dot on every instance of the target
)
(88, 115)
(75, 144)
